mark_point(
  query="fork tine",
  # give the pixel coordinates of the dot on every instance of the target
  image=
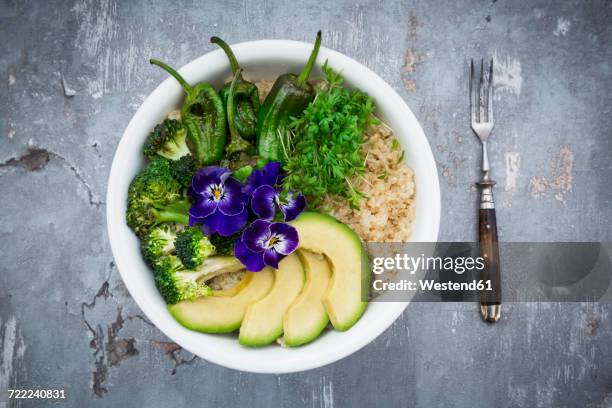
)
(472, 107)
(490, 98)
(481, 94)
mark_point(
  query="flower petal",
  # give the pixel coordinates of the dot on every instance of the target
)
(193, 221)
(233, 200)
(292, 206)
(236, 223)
(272, 258)
(224, 225)
(212, 223)
(290, 239)
(262, 202)
(268, 175)
(252, 182)
(251, 260)
(271, 171)
(202, 208)
(255, 235)
(191, 192)
(206, 176)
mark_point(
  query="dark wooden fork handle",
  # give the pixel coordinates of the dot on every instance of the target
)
(490, 297)
(489, 250)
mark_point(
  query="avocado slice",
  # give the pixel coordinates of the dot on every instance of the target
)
(346, 297)
(223, 314)
(306, 317)
(263, 321)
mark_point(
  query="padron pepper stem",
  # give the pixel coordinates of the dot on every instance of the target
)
(311, 60)
(228, 51)
(172, 72)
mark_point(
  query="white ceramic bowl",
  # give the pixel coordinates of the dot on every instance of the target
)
(264, 60)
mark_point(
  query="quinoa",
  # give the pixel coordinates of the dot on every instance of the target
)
(175, 114)
(388, 209)
(264, 88)
(226, 280)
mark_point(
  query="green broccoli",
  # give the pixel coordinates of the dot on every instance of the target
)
(175, 283)
(155, 197)
(192, 247)
(224, 245)
(183, 170)
(168, 139)
(159, 242)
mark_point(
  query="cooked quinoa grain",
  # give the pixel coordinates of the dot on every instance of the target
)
(175, 114)
(387, 211)
(264, 88)
(226, 280)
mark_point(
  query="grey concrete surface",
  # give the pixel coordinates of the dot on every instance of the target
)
(72, 73)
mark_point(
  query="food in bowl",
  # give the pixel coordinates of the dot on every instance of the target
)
(239, 207)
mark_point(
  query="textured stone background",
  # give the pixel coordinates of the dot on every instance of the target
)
(67, 321)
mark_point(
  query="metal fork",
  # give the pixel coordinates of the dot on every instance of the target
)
(481, 108)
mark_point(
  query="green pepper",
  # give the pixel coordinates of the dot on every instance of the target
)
(242, 173)
(246, 97)
(288, 98)
(237, 143)
(203, 115)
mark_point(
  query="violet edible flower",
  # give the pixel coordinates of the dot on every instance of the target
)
(218, 202)
(265, 243)
(266, 199)
(267, 175)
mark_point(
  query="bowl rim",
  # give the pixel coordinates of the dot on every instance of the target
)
(117, 228)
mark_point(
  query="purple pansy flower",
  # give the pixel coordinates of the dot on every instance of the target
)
(266, 198)
(218, 202)
(265, 243)
(267, 175)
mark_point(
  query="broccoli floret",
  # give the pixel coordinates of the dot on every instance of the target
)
(168, 139)
(192, 247)
(155, 183)
(183, 170)
(175, 283)
(155, 197)
(159, 242)
(224, 245)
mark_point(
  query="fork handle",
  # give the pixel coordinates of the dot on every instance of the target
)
(490, 300)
